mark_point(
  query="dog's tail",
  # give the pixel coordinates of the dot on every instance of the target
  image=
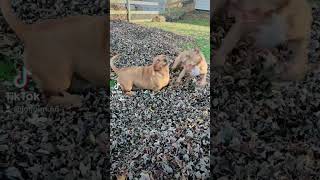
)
(113, 67)
(15, 23)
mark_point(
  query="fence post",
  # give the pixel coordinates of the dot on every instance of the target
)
(128, 8)
(162, 5)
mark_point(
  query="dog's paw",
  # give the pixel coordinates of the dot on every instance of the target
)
(67, 100)
(129, 93)
(202, 83)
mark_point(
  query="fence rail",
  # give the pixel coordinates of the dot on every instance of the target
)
(123, 12)
(130, 12)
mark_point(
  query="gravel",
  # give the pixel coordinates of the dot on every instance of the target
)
(164, 134)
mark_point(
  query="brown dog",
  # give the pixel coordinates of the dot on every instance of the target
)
(193, 63)
(270, 22)
(153, 77)
(59, 53)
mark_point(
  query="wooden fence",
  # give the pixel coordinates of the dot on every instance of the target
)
(149, 8)
(129, 12)
(175, 3)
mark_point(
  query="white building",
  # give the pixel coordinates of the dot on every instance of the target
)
(202, 5)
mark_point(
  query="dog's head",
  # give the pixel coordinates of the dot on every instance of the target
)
(193, 58)
(183, 56)
(160, 62)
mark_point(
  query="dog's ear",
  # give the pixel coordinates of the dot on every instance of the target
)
(156, 66)
(197, 50)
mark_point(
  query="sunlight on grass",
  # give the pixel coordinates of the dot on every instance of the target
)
(199, 29)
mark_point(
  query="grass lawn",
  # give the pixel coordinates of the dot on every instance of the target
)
(198, 28)
(194, 26)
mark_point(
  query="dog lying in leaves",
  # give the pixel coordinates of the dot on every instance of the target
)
(61, 53)
(153, 77)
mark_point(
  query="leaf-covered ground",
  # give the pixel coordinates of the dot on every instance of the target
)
(261, 130)
(37, 142)
(164, 134)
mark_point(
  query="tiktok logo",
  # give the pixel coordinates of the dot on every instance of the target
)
(21, 80)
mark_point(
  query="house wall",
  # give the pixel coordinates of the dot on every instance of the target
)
(202, 5)
(163, 4)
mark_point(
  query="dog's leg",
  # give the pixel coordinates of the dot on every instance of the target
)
(297, 68)
(203, 80)
(181, 75)
(54, 89)
(65, 99)
(126, 87)
(157, 89)
(176, 62)
(230, 41)
(79, 85)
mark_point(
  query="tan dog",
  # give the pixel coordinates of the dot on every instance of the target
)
(60, 53)
(153, 77)
(193, 63)
(270, 22)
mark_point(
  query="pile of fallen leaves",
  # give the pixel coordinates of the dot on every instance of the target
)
(157, 134)
(39, 142)
(261, 130)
